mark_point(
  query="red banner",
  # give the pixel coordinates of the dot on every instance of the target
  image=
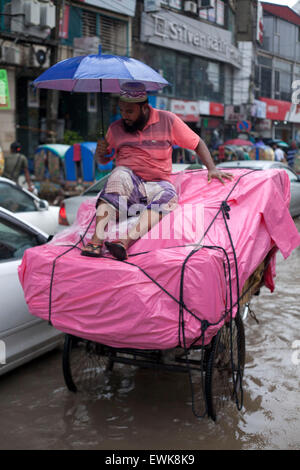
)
(216, 109)
(277, 110)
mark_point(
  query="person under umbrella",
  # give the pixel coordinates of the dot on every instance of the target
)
(142, 140)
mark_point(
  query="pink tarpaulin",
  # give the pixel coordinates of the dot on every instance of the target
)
(167, 280)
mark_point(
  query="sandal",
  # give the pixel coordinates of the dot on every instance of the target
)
(92, 251)
(117, 249)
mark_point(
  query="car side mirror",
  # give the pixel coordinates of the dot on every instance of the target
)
(43, 205)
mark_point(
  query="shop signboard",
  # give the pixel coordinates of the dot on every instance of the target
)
(263, 125)
(4, 90)
(209, 108)
(174, 31)
(277, 110)
(126, 7)
(186, 110)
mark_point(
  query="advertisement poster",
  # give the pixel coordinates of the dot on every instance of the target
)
(4, 90)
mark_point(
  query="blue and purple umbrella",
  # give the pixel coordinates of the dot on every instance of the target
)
(99, 73)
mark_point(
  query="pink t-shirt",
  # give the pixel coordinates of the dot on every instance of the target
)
(149, 152)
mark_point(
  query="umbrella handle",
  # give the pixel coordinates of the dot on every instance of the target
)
(101, 112)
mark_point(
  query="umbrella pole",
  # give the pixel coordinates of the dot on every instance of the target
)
(101, 112)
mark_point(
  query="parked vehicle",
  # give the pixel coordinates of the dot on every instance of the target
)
(22, 336)
(268, 165)
(70, 206)
(28, 207)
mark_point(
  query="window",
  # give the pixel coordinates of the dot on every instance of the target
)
(263, 77)
(113, 35)
(266, 82)
(283, 80)
(14, 241)
(89, 23)
(15, 200)
(191, 77)
(183, 76)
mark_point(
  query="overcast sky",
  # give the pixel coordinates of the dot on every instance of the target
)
(288, 3)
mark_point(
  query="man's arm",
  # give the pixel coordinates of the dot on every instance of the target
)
(205, 156)
(28, 179)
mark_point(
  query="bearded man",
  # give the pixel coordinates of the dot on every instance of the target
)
(142, 141)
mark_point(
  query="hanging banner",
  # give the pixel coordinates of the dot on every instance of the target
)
(277, 110)
(4, 90)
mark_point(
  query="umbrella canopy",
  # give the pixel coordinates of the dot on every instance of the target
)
(238, 142)
(98, 73)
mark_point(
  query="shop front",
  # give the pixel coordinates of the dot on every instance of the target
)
(279, 113)
(212, 123)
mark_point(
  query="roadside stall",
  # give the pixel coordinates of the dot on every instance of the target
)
(49, 173)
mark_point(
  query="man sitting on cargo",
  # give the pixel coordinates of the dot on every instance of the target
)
(142, 141)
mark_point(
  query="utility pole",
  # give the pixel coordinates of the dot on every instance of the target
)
(53, 95)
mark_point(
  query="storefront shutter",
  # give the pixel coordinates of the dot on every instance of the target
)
(89, 23)
(113, 35)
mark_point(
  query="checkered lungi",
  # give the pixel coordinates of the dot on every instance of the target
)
(124, 189)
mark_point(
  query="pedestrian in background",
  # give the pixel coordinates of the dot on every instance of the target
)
(279, 154)
(14, 163)
(291, 154)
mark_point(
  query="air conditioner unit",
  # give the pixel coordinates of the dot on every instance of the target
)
(190, 7)
(11, 55)
(40, 57)
(32, 13)
(47, 16)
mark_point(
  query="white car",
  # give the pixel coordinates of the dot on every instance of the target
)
(22, 336)
(28, 207)
(271, 165)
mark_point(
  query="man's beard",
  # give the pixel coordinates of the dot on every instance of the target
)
(138, 125)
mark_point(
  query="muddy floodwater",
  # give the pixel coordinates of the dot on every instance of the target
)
(145, 409)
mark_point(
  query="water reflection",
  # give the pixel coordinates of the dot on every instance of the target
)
(144, 409)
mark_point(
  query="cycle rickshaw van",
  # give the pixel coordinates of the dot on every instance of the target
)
(176, 302)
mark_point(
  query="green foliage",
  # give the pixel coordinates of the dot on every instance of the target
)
(72, 137)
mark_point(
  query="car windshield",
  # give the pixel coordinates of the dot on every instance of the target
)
(14, 241)
(95, 189)
(15, 200)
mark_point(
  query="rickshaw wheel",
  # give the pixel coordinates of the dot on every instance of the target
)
(224, 373)
(83, 363)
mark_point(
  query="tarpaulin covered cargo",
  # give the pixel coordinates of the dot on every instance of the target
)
(180, 280)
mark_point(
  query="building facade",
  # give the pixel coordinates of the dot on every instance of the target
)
(277, 67)
(36, 34)
(229, 64)
(27, 47)
(194, 48)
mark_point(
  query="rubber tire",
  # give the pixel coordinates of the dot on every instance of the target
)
(220, 349)
(88, 358)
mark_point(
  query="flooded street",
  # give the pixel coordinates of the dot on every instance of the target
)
(144, 409)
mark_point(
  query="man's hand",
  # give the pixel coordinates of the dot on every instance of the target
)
(220, 175)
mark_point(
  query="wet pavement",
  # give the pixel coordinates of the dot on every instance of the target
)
(144, 409)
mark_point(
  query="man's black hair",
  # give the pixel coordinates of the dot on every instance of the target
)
(15, 147)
